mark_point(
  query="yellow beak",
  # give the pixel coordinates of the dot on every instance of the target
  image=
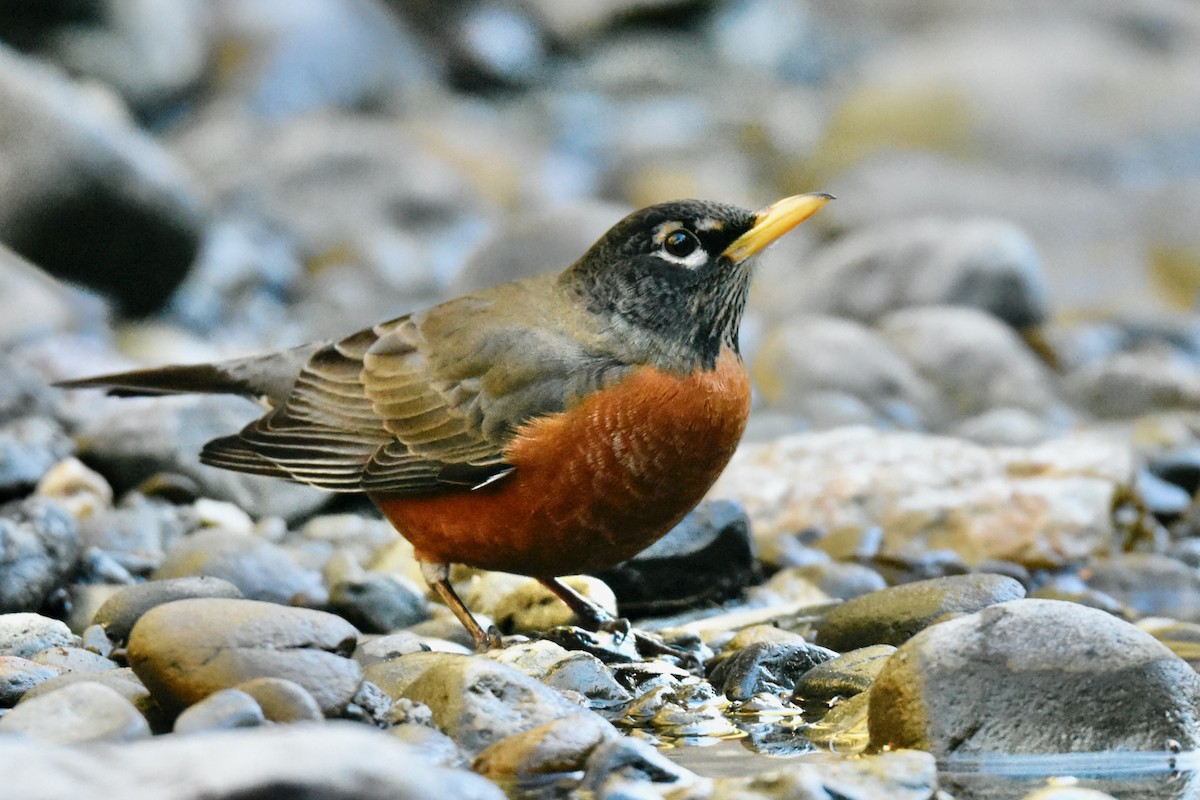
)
(774, 221)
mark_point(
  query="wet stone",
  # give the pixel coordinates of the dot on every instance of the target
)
(560, 745)
(25, 634)
(121, 612)
(587, 675)
(891, 616)
(228, 708)
(281, 700)
(187, 649)
(19, 675)
(770, 667)
(80, 712)
(620, 765)
(708, 557)
(1034, 676)
(39, 546)
(849, 674)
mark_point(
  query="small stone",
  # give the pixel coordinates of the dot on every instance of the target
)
(708, 557)
(73, 659)
(121, 612)
(433, 745)
(39, 547)
(29, 449)
(395, 675)
(477, 702)
(227, 708)
(373, 650)
(377, 602)
(187, 649)
(138, 534)
(25, 634)
(19, 675)
(281, 700)
(516, 603)
(1034, 676)
(842, 579)
(770, 667)
(560, 745)
(122, 681)
(80, 712)
(259, 569)
(892, 615)
(1148, 583)
(587, 675)
(631, 760)
(845, 676)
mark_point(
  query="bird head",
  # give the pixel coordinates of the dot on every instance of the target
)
(675, 276)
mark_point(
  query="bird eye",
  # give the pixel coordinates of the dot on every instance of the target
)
(680, 244)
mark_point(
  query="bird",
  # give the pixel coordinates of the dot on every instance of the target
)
(550, 426)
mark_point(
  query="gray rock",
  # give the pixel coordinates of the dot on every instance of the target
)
(80, 712)
(23, 635)
(477, 702)
(29, 448)
(334, 761)
(434, 746)
(73, 659)
(842, 579)
(121, 611)
(1127, 384)
(974, 360)
(900, 775)
(892, 615)
(396, 674)
(1034, 676)
(87, 196)
(259, 569)
(122, 681)
(138, 534)
(801, 369)
(23, 392)
(1163, 499)
(766, 667)
(282, 700)
(187, 649)
(845, 676)
(39, 547)
(36, 306)
(988, 264)
(615, 765)
(131, 440)
(1150, 584)
(707, 558)
(378, 603)
(19, 675)
(227, 708)
(587, 675)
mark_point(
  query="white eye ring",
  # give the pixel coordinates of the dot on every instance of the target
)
(681, 247)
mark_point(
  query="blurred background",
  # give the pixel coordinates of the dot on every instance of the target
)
(1015, 247)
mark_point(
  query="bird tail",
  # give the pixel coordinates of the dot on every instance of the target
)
(269, 376)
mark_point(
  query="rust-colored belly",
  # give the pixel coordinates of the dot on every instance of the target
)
(593, 485)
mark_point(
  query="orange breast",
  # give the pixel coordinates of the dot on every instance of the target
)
(593, 485)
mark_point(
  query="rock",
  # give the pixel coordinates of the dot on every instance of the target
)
(36, 306)
(1179, 466)
(615, 767)
(1163, 499)
(151, 52)
(22, 635)
(138, 534)
(23, 392)
(1034, 676)
(259, 569)
(707, 558)
(282, 700)
(227, 708)
(1008, 426)
(334, 761)
(39, 547)
(586, 675)
(76, 487)
(787, 586)
(893, 615)
(395, 675)
(137, 437)
(29, 448)
(974, 360)
(187, 649)
(122, 681)
(378, 603)
(845, 676)
(1132, 383)
(766, 667)
(982, 263)
(376, 649)
(557, 746)
(477, 702)
(1150, 584)
(1048, 505)
(73, 659)
(88, 197)
(121, 611)
(801, 369)
(900, 775)
(434, 746)
(81, 712)
(841, 579)
(530, 606)
(19, 675)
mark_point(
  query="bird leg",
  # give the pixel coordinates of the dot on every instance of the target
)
(595, 618)
(438, 577)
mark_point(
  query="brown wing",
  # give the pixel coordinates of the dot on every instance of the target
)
(421, 403)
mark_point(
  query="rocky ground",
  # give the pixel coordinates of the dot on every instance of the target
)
(961, 540)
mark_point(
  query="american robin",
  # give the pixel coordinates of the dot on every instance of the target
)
(553, 425)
